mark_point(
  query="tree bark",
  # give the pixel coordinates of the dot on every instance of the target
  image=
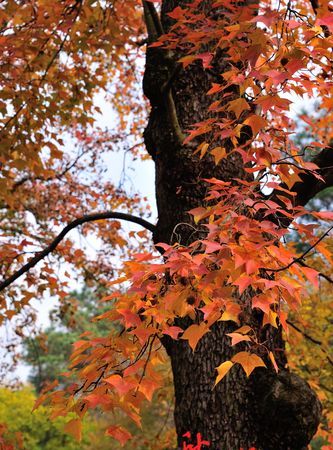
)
(266, 411)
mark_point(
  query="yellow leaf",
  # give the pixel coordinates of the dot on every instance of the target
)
(222, 370)
(249, 361)
(74, 428)
(194, 333)
(231, 312)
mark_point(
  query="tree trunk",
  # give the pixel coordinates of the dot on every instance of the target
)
(266, 411)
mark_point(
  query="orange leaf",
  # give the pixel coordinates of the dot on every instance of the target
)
(249, 361)
(243, 282)
(245, 329)
(119, 433)
(199, 213)
(270, 318)
(194, 333)
(218, 153)
(222, 370)
(323, 215)
(121, 385)
(311, 275)
(262, 302)
(187, 60)
(238, 106)
(215, 88)
(74, 428)
(148, 387)
(237, 337)
(131, 319)
(173, 332)
(268, 102)
(231, 312)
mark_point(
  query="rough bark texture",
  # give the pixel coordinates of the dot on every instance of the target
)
(238, 413)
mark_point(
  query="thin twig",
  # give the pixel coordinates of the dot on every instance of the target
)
(311, 339)
(300, 258)
(321, 274)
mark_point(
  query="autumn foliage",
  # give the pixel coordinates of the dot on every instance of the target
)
(240, 266)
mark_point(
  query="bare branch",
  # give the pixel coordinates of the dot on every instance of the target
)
(81, 220)
(308, 188)
(311, 339)
(310, 185)
(321, 274)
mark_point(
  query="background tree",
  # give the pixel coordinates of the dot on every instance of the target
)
(218, 78)
(34, 431)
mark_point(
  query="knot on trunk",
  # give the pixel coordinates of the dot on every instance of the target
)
(288, 411)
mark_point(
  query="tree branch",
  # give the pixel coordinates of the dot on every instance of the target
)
(310, 185)
(306, 335)
(81, 220)
(314, 4)
(311, 339)
(153, 22)
(165, 61)
(321, 274)
(303, 255)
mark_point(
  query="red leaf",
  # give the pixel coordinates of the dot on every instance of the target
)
(119, 433)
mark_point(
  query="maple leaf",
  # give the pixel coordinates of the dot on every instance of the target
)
(194, 333)
(218, 153)
(238, 106)
(249, 361)
(120, 384)
(243, 282)
(173, 331)
(222, 370)
(257, 123)
(131, 319)
(312, 275)
(148, 387)
(326, 20)
(119, 433)
(237, 257)
(74, 427)
(231, 312)
(267, 102)
(237, 337)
